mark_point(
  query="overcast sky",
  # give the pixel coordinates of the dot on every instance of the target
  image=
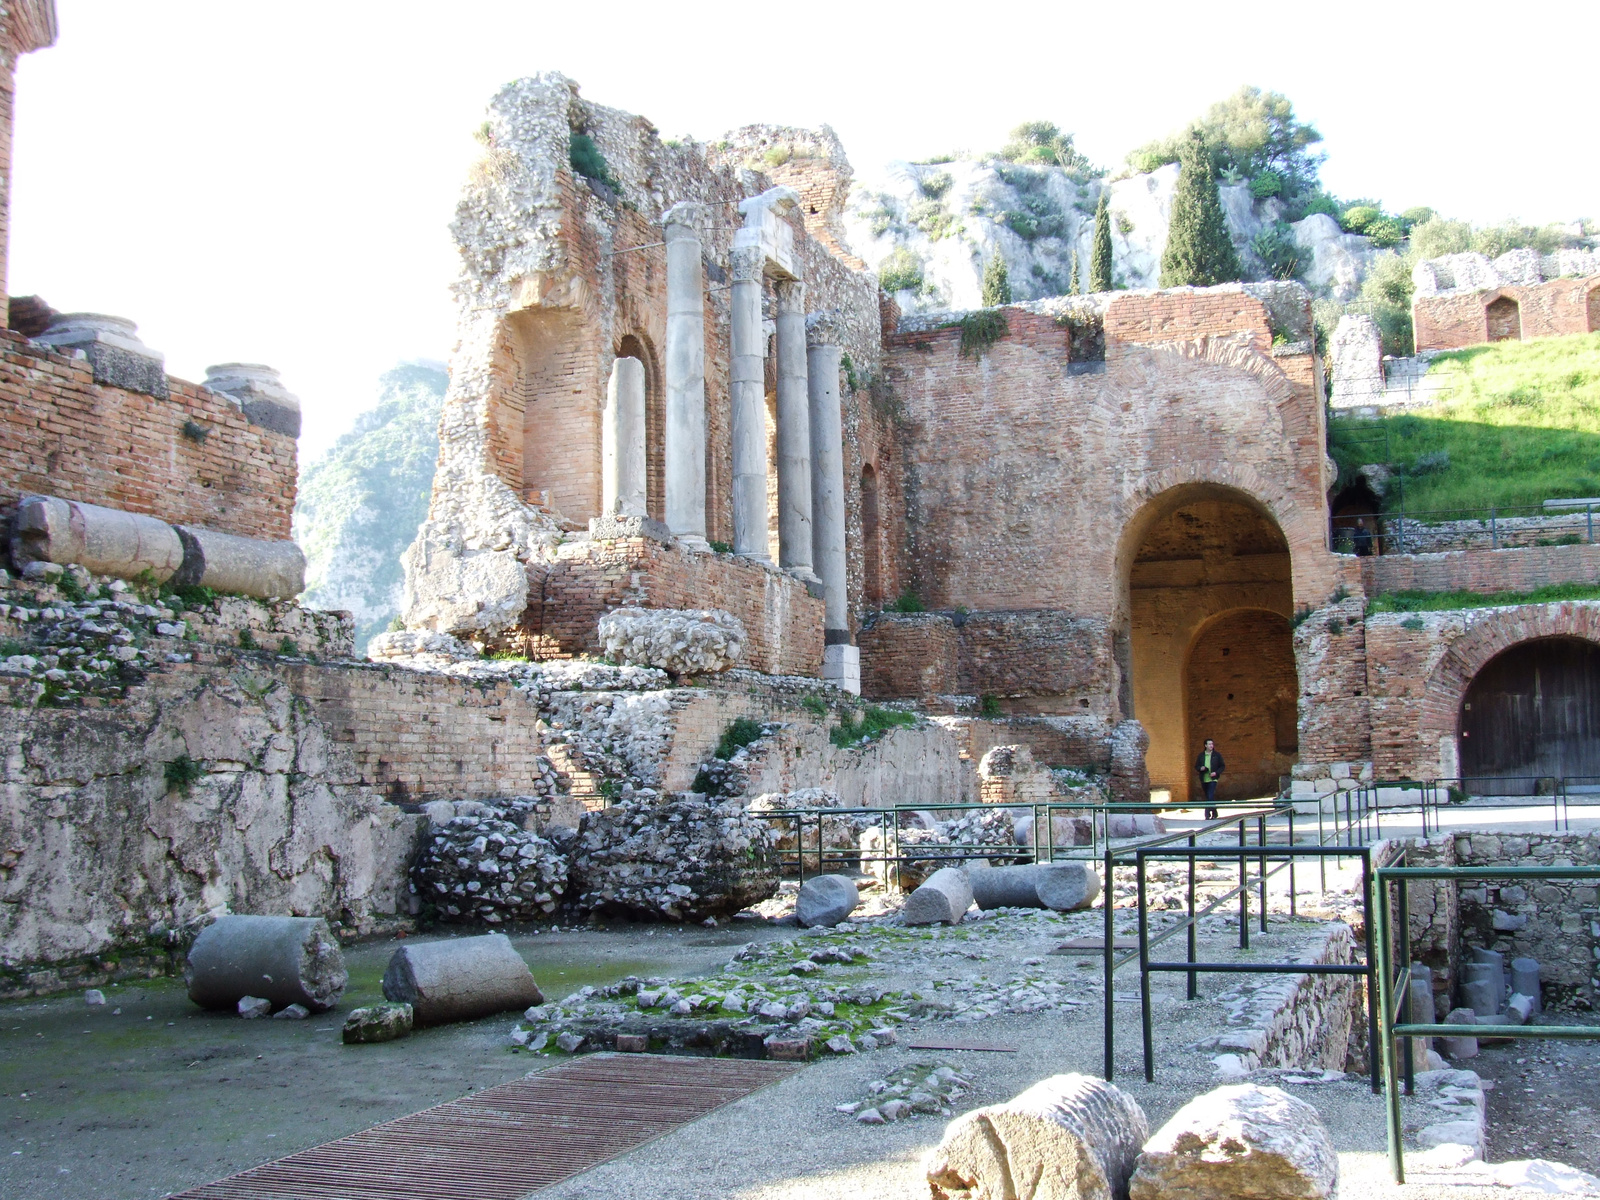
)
(272, 182)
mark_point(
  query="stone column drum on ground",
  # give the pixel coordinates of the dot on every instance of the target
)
(826, 900)
(841, 661)
(684, 440)
(794, 434)
(287, 960)
(106, 541)
(460, 979)
(748, 385)
(1069, 1137)
(622, 450)
(944, 897)
(1239, 1141)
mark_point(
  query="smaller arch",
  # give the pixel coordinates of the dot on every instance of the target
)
(1241, 689)
(1532, 711)
(871, 549)
(1503, 317)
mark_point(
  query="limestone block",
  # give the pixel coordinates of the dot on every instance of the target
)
(461, 591)
(944, 897)
(419, 643)
(1239, 1141)
(1525, 979)
(116, 355)
(460, 979)
(377, 1023)
(241, 565)
(826, 900)
(106, 541)
(1069, 1137)
(287, 960)
(683, 641)
(1340, 770)
(1324, 786)
(1464, 1046)
(1303, 789)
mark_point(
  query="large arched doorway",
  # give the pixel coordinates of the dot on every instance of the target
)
(1533, 710)
(1209, 600)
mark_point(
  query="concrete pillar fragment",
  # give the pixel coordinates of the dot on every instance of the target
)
(794, 434)
(748, 385)
(622, 450)
(841, 660)
(242, 566)
(684, 443)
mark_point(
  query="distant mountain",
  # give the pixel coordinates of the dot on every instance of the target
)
(361, 502)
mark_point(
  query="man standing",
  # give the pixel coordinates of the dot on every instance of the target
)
(1210, 766)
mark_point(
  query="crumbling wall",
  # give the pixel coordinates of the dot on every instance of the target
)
(189, 457)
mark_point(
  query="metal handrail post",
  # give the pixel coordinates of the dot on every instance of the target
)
(1144, 976)
(1194, 981)
(1494, 532)
(1384, 1050)
(1107, 954)
(1372, 998)
(1261, 840)
(1244, 893)
(1408, 1047)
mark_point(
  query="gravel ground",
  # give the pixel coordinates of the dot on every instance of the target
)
(1546, 1099)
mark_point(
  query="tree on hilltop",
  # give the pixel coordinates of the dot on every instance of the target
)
(1250, 135)
(1199, 252)
(1100, 256)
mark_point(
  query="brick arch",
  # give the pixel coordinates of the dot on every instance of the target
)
(1239, 355)
(1496, 631)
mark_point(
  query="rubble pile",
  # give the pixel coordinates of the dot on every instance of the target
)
(682, 641)
(487, 867)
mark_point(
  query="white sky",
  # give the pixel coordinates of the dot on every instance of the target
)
(272, 182)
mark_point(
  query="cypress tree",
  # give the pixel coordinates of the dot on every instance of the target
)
(1199, 252)
(996, 282)
(1076, 287)
(1100, 259)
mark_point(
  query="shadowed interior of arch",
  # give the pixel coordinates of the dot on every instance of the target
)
(1213, 656)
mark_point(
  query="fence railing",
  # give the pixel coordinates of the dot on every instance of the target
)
(1394, 981)
(1495, 527)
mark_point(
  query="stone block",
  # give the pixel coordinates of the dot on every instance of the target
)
(789, 1049)
(260, 393)
(377, 1023)
(460, 979)
(1324, 786)
(683, 641)
(115, 353)
(1339, 770)
(633, 1043)
(826, 900)
(1465, 1046)
(1525, 979)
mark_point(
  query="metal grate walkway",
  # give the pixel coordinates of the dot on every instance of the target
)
(507, 1141)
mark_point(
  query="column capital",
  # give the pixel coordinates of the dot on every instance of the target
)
(683, 219)
(824, 328)
(746, 263)
(791, 295)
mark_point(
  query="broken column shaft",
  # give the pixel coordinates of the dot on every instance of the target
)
(622, 456)
(794, 434)
(748, 371)
(684, 443)
(841, 661)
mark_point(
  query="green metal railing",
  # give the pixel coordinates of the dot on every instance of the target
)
(1394, 981)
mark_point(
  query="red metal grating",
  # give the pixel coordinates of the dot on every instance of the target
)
(507, 1141)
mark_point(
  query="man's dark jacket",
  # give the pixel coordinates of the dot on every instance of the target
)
(1216, 763)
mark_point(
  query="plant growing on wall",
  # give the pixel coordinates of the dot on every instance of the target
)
(1100, 257)
(1199, 252)
(996, 283)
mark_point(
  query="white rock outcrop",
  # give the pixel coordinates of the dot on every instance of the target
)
(682, 641)
(1355, 358)
(1239, 1141)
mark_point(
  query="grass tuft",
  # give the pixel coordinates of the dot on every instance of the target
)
(1416, 602)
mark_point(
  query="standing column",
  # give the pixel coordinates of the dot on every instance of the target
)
(622, 458)
(841, 660)
(794, 435)
(748, 379)
(684, 445)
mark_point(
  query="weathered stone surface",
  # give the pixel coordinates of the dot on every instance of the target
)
(1463, 1046)
(239, 565)
(944, 897)
(1240, 1141)
(287, 960)
(1525, 979)
(486, 866)
(1063, 886)
(683, 641)
(377, 1023)
(1069, 1137)
(1355, 356)
(826, 900)
(105, 541)
(254, 1007)
(682, 857)
(434, 649)
(459, 979)
(260, 392)
(112, 345)
(1066, 886)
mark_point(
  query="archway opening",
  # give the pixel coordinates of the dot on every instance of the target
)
(1533, 711)
(1240, 691)
(1505, 320)
(655, 420)
(1357, 528)
(871, 566)
(1209, 600)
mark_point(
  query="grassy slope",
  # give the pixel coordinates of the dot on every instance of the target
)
(1520, 422)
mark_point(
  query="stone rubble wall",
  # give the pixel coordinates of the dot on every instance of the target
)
(63, 434)
(1416, 538)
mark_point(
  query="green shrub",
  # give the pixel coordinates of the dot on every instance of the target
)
(1043, 143)
(720, 547)
(868, 722)
(981, 330)
(1435, 237)
(996, 282)
(989, 706)
(1386, 294)
(737, 736)
(1100, 259)
(68, 585)
(1278, 251)
(1199, 252)
(584, 156)
(901, 271)
(1075, 287)
(181, 773)
(1266, 185)
(1357, 217)
(397, 626)
(247, 640)
(930, 217)
(815, 705)
(1417, 601)
(1386, 232)
(934, 186)
(288, 646)
(908, 602)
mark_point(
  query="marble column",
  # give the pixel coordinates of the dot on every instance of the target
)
(748, 385)
(684, 444)
(622, 457)
(841, 660)
(794, 434)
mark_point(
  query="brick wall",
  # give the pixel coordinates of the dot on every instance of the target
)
(1549, 309)
(63, 434)
(909, 656)
(591, 577)
(1332, 645)
(1512, 570)
(1242, 694)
